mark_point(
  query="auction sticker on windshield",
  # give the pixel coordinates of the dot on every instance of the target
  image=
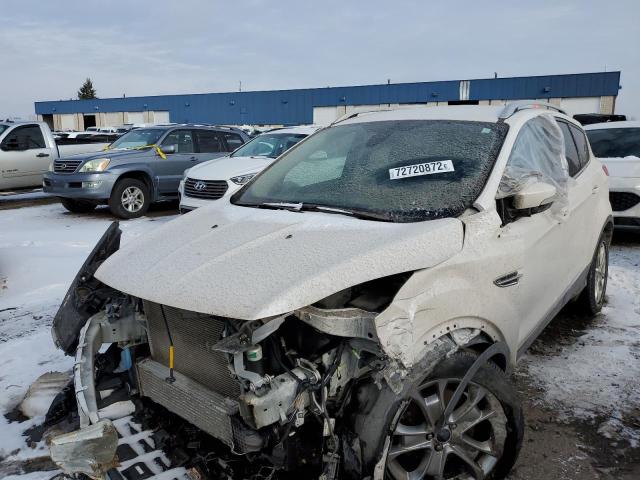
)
(418, 169)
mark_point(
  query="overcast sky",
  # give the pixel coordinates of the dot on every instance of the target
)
(48, 48)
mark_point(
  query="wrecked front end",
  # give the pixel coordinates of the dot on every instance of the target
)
(231, 398)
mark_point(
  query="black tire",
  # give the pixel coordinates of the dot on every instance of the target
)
(381, 410)
(120, 208)
(78, 206)
(592, 297)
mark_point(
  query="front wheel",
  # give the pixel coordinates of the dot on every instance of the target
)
(481, 438)
(130, 198)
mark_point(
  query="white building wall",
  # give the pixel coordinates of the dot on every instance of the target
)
(66, 121)
(580, 105)
(134, 117)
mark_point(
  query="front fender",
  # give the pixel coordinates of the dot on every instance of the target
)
(86, 295)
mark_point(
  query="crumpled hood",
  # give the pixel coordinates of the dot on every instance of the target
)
(224, 168)
(622, 167)
(250, 263)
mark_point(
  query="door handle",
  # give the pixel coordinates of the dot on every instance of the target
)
(595, 189)
(42, 155)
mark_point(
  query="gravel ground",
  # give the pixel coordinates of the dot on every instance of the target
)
(578, 380)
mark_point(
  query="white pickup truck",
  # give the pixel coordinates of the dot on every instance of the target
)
(26, 151)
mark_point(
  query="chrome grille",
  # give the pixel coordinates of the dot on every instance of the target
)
(66, 166)
(193, 334)
(206, 189)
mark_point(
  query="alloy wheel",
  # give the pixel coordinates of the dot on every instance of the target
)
(132, 199)
(467, 445)
(600, 272)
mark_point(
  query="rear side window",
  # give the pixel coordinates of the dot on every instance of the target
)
(615, 142)
(570, 150)
(209, 141)
(233, 141)
(581, 145)
(181, 139)
(27, 137)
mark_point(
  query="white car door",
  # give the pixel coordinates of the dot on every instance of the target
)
(25, 157)
(542, 238)
(584, 192)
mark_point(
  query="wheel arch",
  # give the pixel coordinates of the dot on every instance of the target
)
(477, 335)
(142, 175)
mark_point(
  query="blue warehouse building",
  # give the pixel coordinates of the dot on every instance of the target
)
(576, 93)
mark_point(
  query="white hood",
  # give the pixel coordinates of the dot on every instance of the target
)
(250, 263)
(623, 167)
(224, 168)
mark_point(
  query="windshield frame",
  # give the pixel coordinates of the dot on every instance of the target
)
(359, 212)
(158, 141)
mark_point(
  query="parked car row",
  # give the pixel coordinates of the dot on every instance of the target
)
(148, 165)
(358, 303)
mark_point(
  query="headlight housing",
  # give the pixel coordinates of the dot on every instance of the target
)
(242, 179)
(97, 165)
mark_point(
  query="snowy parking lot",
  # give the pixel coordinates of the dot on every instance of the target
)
(579, 380)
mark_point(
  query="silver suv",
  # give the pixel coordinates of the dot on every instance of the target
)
(141, 167)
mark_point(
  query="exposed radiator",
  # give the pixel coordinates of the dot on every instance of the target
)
(193, 335)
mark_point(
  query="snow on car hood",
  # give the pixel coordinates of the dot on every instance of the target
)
(250, 263)
(226, 167)
(622, 167)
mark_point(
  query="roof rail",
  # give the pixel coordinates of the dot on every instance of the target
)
(347, 116)
(514, 107)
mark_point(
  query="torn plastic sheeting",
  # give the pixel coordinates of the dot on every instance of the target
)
(538, 155)
(90, 450)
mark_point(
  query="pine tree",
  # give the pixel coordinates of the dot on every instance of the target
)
(87, 91)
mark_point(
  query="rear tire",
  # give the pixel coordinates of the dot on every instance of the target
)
(502, 432)
(77, 206)
(592, 297)
(130, 198)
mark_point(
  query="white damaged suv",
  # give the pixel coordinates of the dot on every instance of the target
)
(353, 311)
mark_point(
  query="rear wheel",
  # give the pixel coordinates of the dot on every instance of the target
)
(130, 198)
(592, 298)
(481, 438)
(78, 206)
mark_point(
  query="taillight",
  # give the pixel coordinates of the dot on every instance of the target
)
(606, 170)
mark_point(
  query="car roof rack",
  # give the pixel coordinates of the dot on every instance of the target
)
(514, 107)
(347, 116)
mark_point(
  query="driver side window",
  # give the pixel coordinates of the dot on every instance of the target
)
(27, 137)
(181, 139)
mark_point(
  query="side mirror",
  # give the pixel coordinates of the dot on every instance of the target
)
(534, 195)
(168, 149)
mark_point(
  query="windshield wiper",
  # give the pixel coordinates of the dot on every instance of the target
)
(311, 207)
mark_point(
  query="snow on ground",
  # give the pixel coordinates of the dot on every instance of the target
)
(34, 194)
(597, 376)
(41, 250)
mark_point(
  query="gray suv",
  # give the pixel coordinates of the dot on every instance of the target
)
(141, 167)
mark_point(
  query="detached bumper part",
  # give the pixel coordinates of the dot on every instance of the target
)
(90, 450)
